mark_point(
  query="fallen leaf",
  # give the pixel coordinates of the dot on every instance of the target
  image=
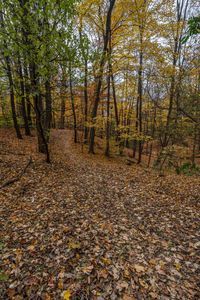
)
(127, 297)
(31, 248)
(73, 245)
(139, 268)
(60, 283)
(103, 273)
(153, 295)
(66, 295)
(88, 269)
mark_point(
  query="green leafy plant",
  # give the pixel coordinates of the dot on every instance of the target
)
(188, 169)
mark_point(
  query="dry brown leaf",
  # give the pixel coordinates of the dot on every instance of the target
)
(127, 297)
(139, 268)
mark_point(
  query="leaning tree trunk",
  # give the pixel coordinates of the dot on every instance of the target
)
(100, 75)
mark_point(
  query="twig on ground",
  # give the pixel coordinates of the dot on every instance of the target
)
(12, 180)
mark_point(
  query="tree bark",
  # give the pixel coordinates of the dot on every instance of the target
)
(62, 104)
(42, 143)
(23, 96)
(48, 114)
(86, 102)
(100, 75)
(72, 102)
(12, 98)
(140, 92)
(27, 91)
(107, 150)
(10, 79)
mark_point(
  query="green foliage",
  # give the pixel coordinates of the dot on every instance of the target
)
(189, 169)
(193, 28)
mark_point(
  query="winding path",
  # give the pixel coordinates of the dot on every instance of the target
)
(100, 229)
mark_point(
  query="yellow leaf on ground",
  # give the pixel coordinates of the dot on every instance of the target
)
(178, 266)
(66, 295)
(31, 248)
(73, 245)
(106, 261)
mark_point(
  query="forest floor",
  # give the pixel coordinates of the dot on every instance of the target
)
(85, 227)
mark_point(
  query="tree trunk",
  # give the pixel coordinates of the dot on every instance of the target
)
(86, 102)
(42, 143)
(23, 96)
(27, 91)
(140, 92)
(194, 145)
(100, 75)
(72, 102)
(62, 112)
(181, 13)
(48, 115)
(107, 151)
(12, 98)
(10, 79)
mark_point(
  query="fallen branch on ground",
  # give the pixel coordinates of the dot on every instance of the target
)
(12, 180)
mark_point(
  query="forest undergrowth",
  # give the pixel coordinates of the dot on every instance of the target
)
(89, 227)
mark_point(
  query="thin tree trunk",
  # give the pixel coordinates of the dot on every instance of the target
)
(86, 102)
(48, 115)
(10, 79)
(107, 151)
(115, 104)
(136, 128)
(152, 135)
(62, 112)
(114, 99)
(27, 91)
(72, 102)
(100, 75)
(194, 144)
(23, 96)
(63, 99)
(12, 98)
(181, 12)
(138, 123)
(140, 94)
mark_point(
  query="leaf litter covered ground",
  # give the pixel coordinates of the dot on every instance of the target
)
(90, 228)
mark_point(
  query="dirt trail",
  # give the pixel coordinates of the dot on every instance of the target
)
(98, 229)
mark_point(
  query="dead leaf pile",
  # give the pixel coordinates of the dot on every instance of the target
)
(88, 228)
